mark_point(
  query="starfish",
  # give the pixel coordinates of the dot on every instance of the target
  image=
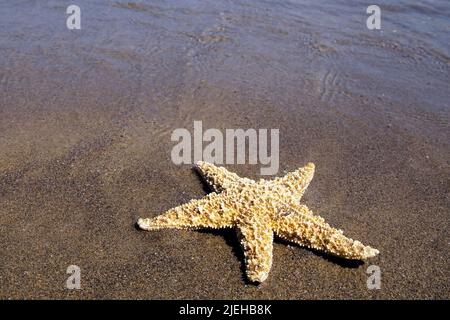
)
(258, 210)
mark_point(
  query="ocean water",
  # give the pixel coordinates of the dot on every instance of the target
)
(322, 49)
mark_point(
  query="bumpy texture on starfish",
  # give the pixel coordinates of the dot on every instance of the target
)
(258, 209)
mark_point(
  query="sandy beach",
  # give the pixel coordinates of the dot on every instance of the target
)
(86, 118)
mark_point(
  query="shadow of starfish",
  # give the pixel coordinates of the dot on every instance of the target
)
(232, 240)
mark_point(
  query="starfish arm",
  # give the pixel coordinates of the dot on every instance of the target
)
(297, 181)
(209, 212)
(218, 178)
(306, 229)
(257, 242)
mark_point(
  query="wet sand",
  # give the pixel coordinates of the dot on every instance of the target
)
(86, 118)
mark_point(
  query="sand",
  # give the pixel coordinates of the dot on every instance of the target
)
(86, 118)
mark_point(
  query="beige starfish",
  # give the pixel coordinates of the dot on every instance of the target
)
(258, 209)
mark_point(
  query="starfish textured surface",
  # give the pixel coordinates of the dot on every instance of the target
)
(258, 209)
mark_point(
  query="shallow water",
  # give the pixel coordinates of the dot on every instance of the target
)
(86, 117)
